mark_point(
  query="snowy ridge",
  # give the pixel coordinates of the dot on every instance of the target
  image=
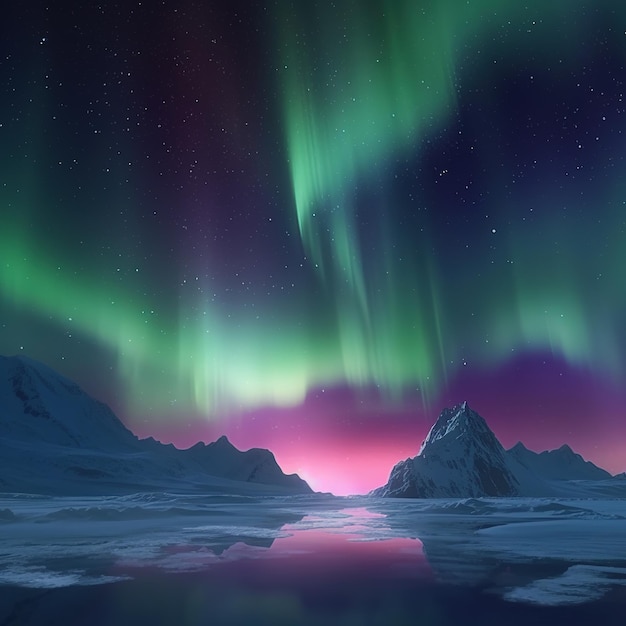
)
(560, 464)
(56, 439)
(462, 458)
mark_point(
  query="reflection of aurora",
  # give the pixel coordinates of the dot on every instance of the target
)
(398, 290)
(334, 558)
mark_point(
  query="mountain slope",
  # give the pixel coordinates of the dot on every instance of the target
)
(38, 404)
(55, 438)
(560, 464)
(460, 457)
(254, 465)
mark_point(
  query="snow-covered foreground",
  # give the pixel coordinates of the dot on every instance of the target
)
(531, 551)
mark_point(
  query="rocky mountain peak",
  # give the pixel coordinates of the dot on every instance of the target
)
(460, 457)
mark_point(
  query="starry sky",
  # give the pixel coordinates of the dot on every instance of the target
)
(312, 225)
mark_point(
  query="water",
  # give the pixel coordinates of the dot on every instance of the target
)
(191, 560)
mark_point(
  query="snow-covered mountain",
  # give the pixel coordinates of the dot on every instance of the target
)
(461, 458)
(254, 465)
(39, 405)
(56, 439)
(560, 464)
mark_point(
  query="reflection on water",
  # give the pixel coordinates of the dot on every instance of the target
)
(317, 569)
(311, 554)
(336, 545)
(181, 561)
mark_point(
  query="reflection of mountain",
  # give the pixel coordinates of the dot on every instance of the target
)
(54, 438)
(461, 457)
(448, 531)
(543, 550)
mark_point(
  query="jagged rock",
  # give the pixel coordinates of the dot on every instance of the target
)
(459, 458)
(560, 464)
(462, 458)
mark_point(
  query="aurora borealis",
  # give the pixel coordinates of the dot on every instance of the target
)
(311, 225)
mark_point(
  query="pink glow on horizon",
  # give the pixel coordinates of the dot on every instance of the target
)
(343, 471)
(338, 447)
(346, 465)
(338, 465)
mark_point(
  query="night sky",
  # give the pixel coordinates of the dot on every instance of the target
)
(312, 225)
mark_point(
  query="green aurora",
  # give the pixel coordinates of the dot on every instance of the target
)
(386, 300)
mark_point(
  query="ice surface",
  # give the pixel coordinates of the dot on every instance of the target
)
(558, 539)
(580, 583)
(531, 550)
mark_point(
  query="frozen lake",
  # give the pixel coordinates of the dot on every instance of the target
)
(194, 559)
